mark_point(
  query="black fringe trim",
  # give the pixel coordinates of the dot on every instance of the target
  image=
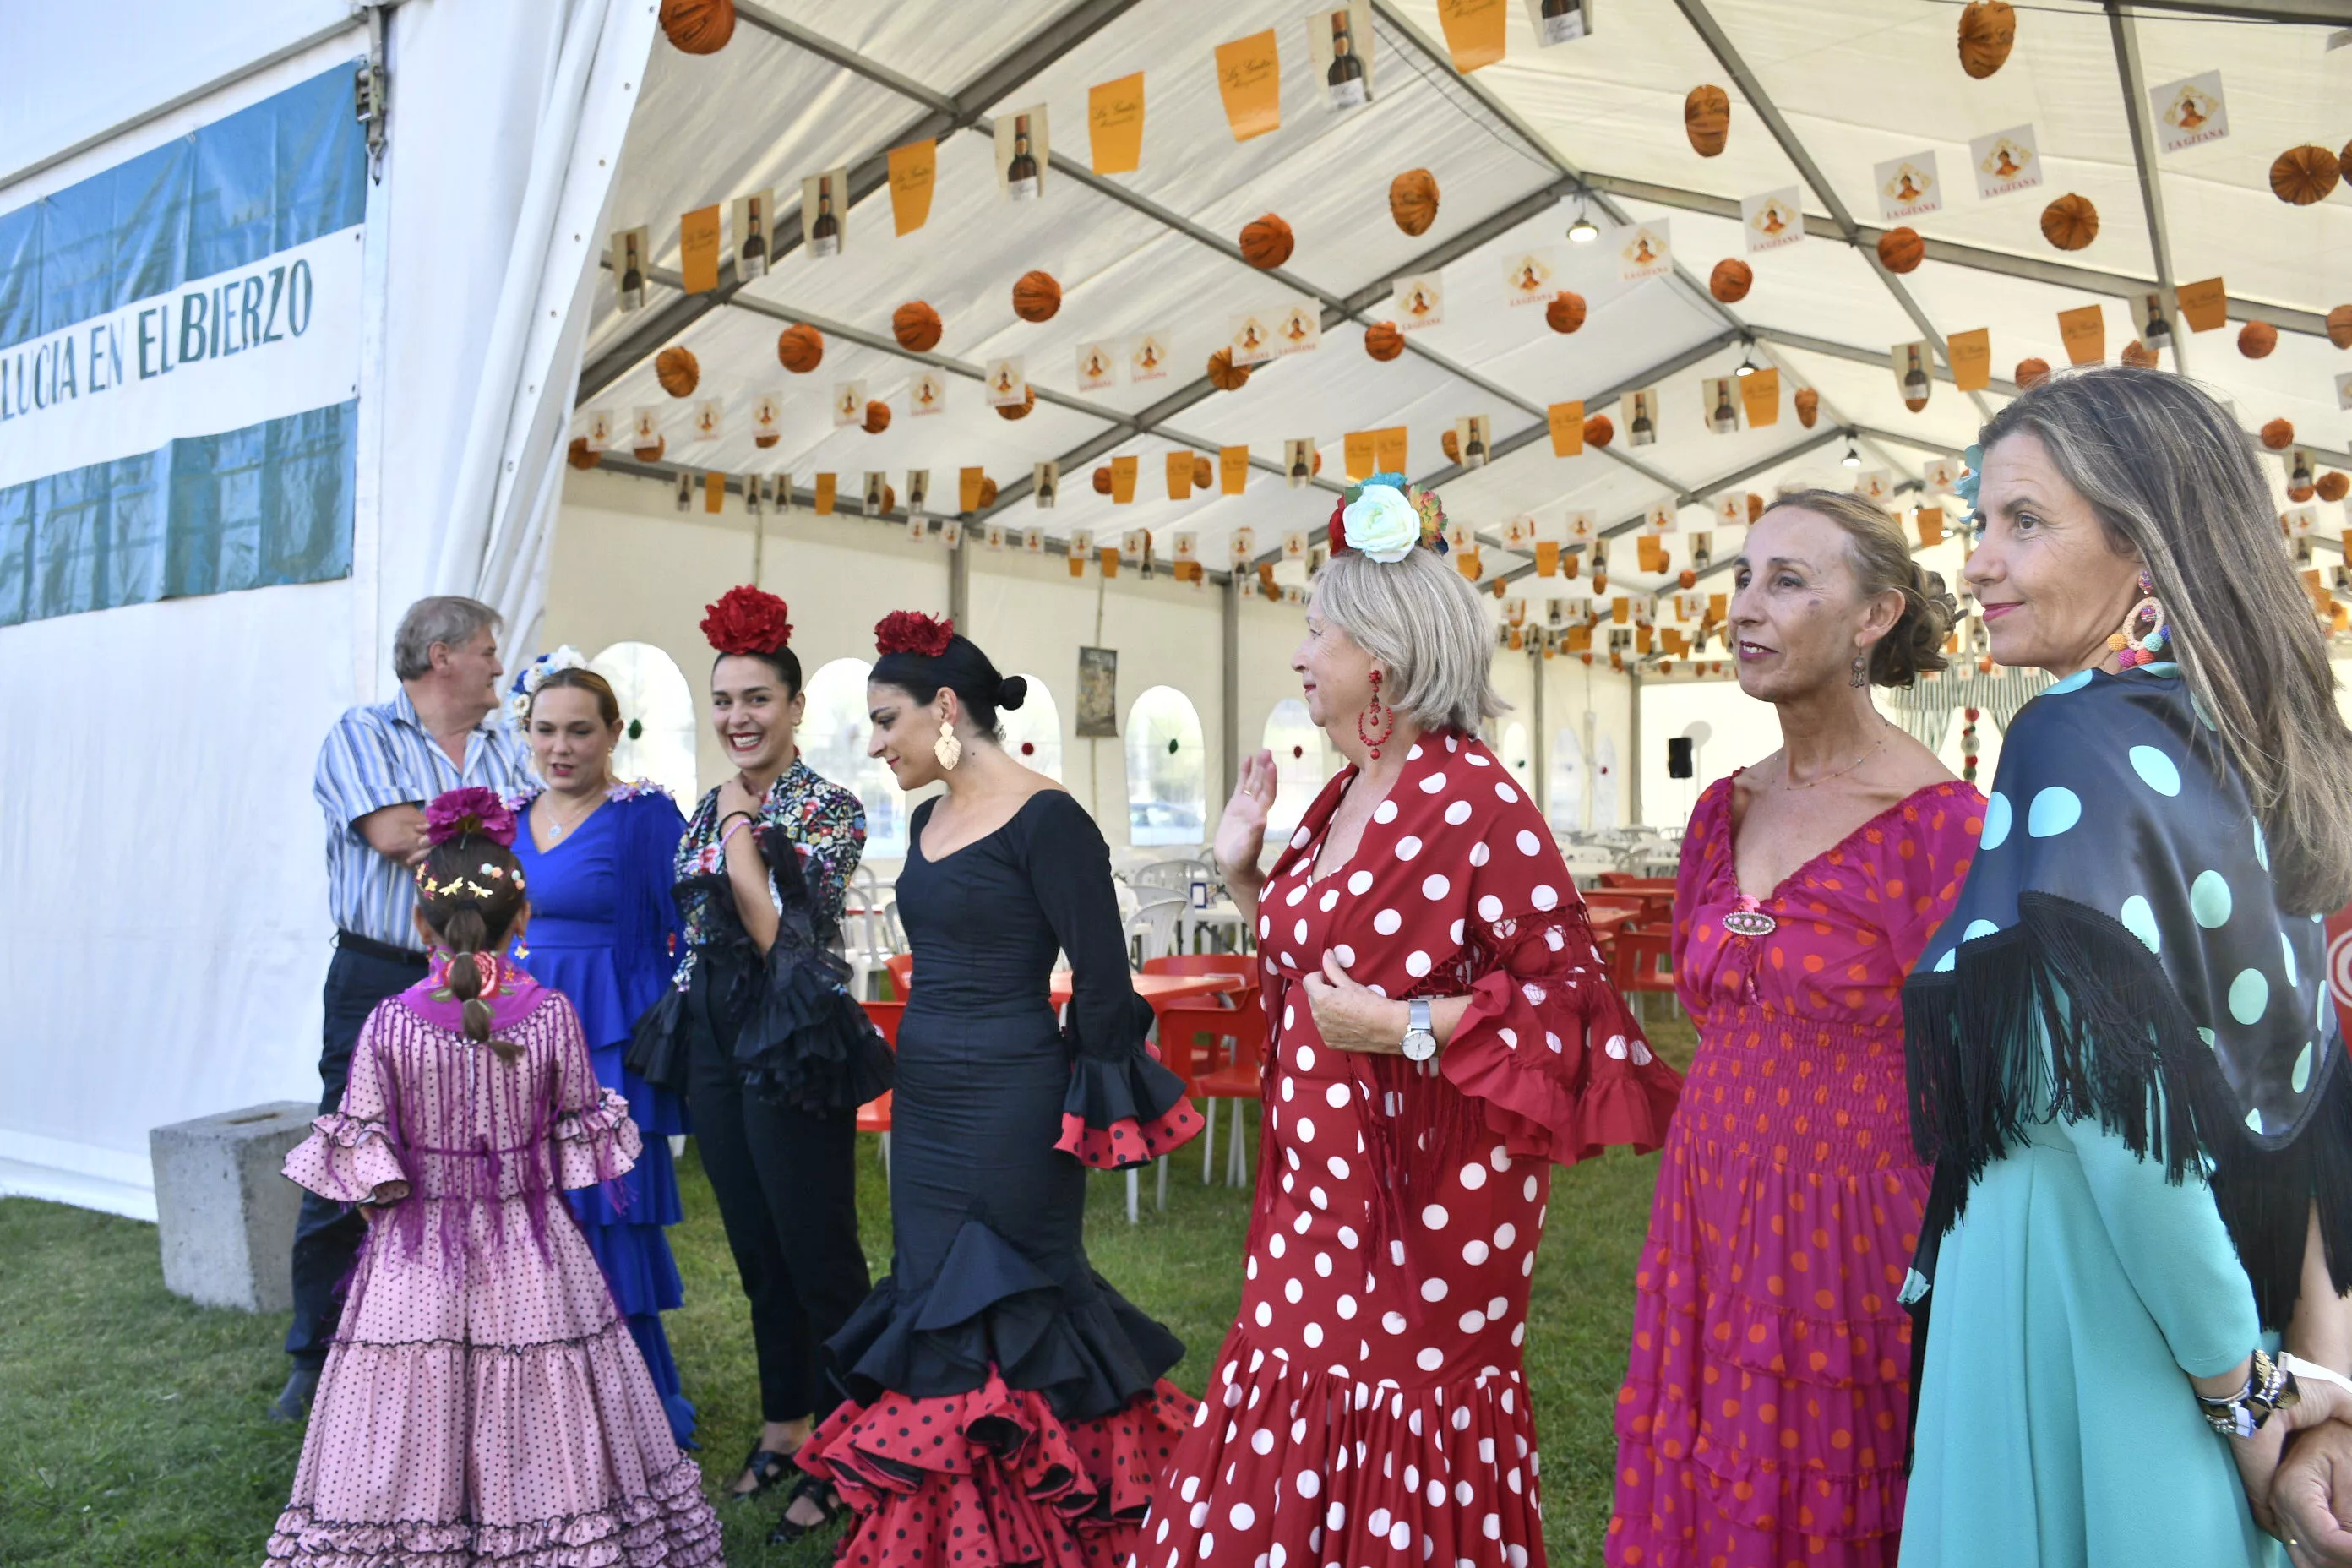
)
(2127, 1051)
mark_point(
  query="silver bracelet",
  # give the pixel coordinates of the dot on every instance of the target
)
(2269, 1387)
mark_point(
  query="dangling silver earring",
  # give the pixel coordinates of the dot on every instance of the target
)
(947, 748)
(1861, 676)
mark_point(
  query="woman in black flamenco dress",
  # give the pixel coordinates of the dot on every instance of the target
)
(1010, 1406)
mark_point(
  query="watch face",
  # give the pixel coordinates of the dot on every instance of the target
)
(1420, 1046)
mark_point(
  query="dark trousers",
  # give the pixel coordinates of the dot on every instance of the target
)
(327, 1235)
(787, 1188)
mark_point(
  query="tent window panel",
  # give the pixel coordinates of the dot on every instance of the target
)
(833, 736)
(1568, 781)
(1032, 733)
(1167, 769)
(1299, 768)
(654, 695)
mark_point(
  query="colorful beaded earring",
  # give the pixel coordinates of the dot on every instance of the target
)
(2143, 637)
(1385, 717)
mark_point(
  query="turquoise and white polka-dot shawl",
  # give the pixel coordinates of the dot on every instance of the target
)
(2118, 951)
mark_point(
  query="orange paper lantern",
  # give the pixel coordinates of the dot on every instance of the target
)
(677, 371)
(2030, 371)
(1730, 281)
(2333, 486)
(2302, 176)
(1687, 578)
(652, 454)
(1382, 341)
(1901, 250)
(1809, 406)
(2138, 353)
(2339, 326)
(1566, 311)
(2278, 435)
(987, 493)
(1599, 431)
(766, 438)
(2256, 339)
(578, 456)
(1988, 32)
(698, 26)
(1412, 200)
(1224, 374)
(1102, 480)
(1020, 410)
(1037, 297)
(1706, 119)
(915, 326)
(1755, 506)
(1205, 473)
(1266, 242)
(2071, 221)
(878, 416)
(1451, 446)
(800, 349)
(890, 497)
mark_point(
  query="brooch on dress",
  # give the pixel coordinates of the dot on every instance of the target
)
(1744, 919)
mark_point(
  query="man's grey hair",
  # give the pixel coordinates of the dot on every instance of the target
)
(448, 619)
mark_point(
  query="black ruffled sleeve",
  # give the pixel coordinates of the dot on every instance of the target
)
(806, 1041)
(1123, 1107)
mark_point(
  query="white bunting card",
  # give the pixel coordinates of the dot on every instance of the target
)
(1581, 528)
(1033, 541)
(1519, 533)
(1135, 543)
(1459, 537)
(1147, 356)
(767, 418)
(1658, 517)
(710, 418)
(1098, 366)
(1249, 337)
(1299, 330)
(1875, 485)
(927, 393)
(995, 536)
(1244, 545)
(1294, 545)
(1645, 250)
(1419, 300)
(2006, 162)
(1909, 187)
(645, 427)
(2302, 521)
(1187, 545)
(919, 529)
(848, 403)
(1527, 277)
(2189, 112)
(1772, 220)
(1938, 474)
(1008, 382)
(1079, 545)
(951, 532)
(599, 433)
(1731, 509)
(2343, 390)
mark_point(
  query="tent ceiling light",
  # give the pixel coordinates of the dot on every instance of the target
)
(1583, 231)
(1746, 364)
(1852, 460)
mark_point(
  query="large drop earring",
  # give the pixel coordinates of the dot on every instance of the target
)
(1375, 715)
(1858, 673)
(2143, 635)
(947, 748)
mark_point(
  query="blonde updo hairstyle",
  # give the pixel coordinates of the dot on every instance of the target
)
(1881, 557)
(1422, 621)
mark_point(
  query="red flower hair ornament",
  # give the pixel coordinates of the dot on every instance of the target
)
(747, 621)
(909, 631)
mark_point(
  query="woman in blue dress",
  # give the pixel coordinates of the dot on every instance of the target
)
(2124, 1060)
(604, 931)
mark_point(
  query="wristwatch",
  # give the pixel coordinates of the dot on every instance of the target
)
(1420, 1044)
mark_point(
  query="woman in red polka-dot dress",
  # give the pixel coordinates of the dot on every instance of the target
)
(1440, 1032)
(483, 1405)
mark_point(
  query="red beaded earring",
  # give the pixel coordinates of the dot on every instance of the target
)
(1385, 717)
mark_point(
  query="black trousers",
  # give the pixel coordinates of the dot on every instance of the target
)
(327, 1234)
(786, 1183)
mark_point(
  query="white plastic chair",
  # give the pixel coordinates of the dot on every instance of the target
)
(1153, 927)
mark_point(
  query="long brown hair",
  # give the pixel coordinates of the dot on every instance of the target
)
(470, 895)
(2170, 474)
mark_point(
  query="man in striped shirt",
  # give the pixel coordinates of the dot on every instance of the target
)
(379, 766)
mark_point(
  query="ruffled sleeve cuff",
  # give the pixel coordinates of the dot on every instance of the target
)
(808, 1042)
(1124, 1111)
(597, 1144)
(1560, 1068)
(345, 1159)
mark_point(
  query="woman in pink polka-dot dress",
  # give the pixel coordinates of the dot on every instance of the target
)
(1369, 1406)
(483, 1404)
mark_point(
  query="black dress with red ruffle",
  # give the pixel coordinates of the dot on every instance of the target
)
(1011, 1406)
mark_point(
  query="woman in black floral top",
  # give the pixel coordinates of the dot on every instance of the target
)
(775, 1053)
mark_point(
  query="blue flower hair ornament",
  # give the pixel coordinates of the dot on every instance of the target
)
(1965, 486)
(1384, 516)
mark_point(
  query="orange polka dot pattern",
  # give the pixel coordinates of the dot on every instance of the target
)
(1765, 1411)
(483, 1405)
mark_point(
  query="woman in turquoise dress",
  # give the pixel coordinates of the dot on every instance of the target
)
(2122, 1058)
(604, 932)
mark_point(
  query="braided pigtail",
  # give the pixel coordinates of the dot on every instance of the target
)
(469, 892)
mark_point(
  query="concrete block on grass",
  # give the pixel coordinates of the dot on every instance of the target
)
(223, 1209)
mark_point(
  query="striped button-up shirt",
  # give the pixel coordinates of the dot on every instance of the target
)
(381, 755)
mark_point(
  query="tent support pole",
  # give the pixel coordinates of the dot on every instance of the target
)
(1633, 747)
(959, 585)
(1229, 695)
(1539, 736)
(2151, 189)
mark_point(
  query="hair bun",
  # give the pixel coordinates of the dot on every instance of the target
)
(1916, 645)
(1013, 692)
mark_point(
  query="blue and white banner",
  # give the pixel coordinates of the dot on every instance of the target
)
(179, 364)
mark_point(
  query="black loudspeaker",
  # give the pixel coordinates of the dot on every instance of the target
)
(1678, 757)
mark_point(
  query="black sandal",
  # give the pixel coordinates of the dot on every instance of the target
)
(821, 1493)
(767, 1467)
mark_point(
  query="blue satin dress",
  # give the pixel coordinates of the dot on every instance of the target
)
(604, 931)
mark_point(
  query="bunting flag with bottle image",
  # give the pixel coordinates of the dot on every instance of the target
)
(684, 491)
(1340, 42)
(1022, 154)
(919, 492)
(825, 213)
(927, 393)
(1914, 376)
(876, 484)
(1722, 413)
(2155, 323)
(1299, 463)
(629, 260)
(1702, 547)
(755, 495)
(1471, 439)
(752, 234)
(1045, 484)
(1560, 21)
(1640, 412)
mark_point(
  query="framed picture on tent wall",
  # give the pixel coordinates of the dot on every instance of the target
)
(1097, 693)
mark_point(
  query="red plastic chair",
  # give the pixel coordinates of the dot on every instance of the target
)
(1181, 1030)
(885, 1016)
(1627, 880)
(1642, 961)
(902, 978)
(874, 1116)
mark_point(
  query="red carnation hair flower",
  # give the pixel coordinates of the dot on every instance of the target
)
(747, 621)
(1337, 534)
(909, 631)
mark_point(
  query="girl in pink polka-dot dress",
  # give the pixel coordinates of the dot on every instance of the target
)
(483, 1405)
(1767, 1401)
(1369, 1406)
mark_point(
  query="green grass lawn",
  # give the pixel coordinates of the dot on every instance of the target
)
(132, 1433)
